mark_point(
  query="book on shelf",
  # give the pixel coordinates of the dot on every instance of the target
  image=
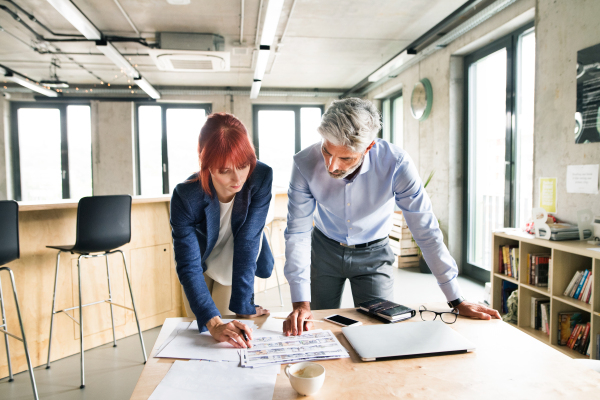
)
(537, 312)
(580, 287)
(538, 266)
(507, 289)
(569, 325)
(545, 320)
(508, 260)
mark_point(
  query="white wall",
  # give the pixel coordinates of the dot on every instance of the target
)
(563, 28)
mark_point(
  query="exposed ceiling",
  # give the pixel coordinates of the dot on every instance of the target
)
(327, 43)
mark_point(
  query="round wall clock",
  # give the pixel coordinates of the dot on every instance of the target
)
(421, 99)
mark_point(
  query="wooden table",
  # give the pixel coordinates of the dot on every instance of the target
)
(507, 364)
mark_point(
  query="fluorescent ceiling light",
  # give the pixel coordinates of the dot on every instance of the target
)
(261, 62)
(178, 2)
(255, 89)
(271, 22)
(147, 87)
(70, 11)
(113, 54)
(394, 64)
(31, 85)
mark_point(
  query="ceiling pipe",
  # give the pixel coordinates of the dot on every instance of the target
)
(258, 22)
(242, 22)
(127, 17)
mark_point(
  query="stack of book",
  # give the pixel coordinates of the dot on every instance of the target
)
(508, 263)
(574, 331)
(538, 266)
(402, 243)
(540, 310)
(386, 310)
(580, 287)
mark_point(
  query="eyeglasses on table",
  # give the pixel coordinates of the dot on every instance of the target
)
(448, 317)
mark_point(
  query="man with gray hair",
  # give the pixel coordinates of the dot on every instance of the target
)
(351, 202)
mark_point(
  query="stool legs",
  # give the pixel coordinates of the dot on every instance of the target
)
(23, 339)
(4, 325)
(112, 317)
(137, 321)
(80, 321)
(53, 309)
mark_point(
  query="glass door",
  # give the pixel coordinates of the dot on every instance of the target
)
(498, 144)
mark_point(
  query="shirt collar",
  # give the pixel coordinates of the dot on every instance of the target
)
(364, 167)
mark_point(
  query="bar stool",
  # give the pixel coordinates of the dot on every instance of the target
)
(103, 224)
(9, 251)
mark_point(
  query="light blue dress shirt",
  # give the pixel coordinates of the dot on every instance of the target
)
(359, 211)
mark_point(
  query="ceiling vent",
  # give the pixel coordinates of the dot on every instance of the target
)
(190, 61)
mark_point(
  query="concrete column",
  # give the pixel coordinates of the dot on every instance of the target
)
(113, 161)
(5, 169)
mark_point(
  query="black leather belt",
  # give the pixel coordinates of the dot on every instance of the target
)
(351, 246)
(362, 245)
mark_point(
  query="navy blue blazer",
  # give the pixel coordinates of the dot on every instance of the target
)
(195, 222)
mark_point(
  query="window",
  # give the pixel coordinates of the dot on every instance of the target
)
(282, 131)
(167, 143)
(498, 143)
(393, 119)
(51, 151)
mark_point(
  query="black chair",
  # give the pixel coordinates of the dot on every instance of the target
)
(9, 251)
(103, 224)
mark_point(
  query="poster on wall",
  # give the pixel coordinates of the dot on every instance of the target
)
(587, 117)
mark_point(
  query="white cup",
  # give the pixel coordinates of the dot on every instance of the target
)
(306, 377)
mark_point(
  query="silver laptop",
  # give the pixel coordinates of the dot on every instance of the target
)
(406, 340)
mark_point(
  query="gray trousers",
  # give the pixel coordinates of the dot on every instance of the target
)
(369, 269)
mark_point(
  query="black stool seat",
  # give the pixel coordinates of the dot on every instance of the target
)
(103, 224)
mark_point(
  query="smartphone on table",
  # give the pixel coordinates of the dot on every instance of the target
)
(342, 321)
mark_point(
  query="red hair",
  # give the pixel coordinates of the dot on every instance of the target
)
(223, 143)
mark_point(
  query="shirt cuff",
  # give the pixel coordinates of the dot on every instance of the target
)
(451, 289)
(300, 292)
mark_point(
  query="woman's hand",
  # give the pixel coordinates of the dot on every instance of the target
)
(259, 312)
(232, 332)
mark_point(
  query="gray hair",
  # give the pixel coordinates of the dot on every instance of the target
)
(351, 122)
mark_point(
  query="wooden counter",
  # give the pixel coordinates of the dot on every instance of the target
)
(154, 280)
(507, 364)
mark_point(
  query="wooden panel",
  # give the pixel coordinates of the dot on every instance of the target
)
(152, 281)
(34, 274)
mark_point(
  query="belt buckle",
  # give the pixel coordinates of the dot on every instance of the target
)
(351, 246)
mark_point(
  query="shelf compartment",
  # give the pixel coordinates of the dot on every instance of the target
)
(525, 312)
(575, 303)
(496, 243)
(526, 249)
(571, 353)
(539, 335)
(568, 264)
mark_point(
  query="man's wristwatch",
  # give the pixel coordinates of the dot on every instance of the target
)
(454, 303)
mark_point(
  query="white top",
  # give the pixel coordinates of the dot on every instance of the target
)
(219, 264)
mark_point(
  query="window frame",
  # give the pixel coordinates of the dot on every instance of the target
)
(392, 98)
(15, 106)
(281, 107)
(510, 42)
(165, 151)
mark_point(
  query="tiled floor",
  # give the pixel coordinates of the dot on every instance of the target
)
(111, 373)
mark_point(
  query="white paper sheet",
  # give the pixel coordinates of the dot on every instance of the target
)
(313, 345)
(188, 343)
(582, 179)
(187, 380)
(594, 248)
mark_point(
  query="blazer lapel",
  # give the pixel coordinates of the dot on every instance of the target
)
(240, 209)
(213, 220)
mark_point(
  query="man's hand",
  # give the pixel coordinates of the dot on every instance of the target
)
(295, 324)
(259, 312)
(230, 332)
(473, 310)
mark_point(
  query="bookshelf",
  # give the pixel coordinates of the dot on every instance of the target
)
(567, 258)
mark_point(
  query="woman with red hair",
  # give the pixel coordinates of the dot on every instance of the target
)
(217, 220)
